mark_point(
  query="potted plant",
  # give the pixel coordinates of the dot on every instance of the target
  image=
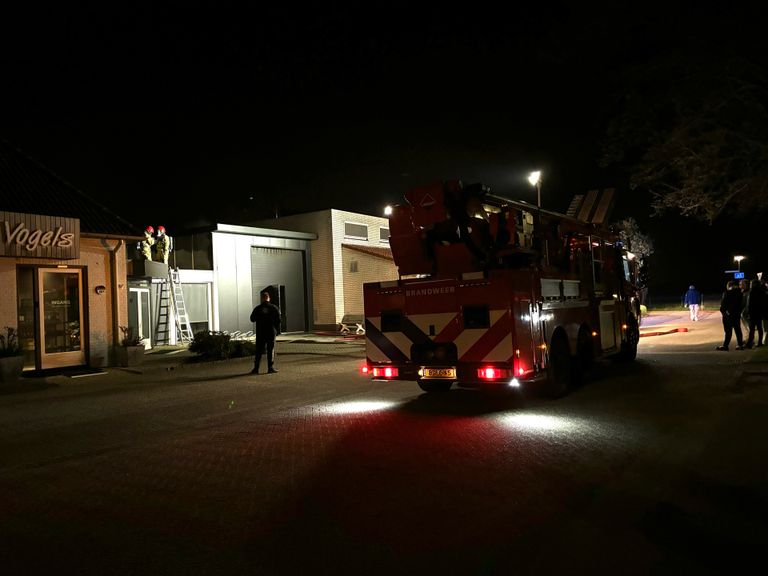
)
(131, 349)
(11, 360)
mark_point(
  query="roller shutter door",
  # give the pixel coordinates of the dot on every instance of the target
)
(277, 266)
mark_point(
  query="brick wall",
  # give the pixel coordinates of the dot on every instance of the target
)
(369, 269)
(7, 292)
(348, 285)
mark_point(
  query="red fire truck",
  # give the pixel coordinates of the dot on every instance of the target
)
(500, 293)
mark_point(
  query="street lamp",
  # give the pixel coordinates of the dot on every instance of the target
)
(387, 210)
(535, 179)
(738, 260)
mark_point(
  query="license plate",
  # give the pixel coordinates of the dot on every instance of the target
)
(437, 373)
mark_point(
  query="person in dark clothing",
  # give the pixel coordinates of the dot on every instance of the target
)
(744, 287)
(754, 311)
(730, 308)
(266, 316)
(764, 286)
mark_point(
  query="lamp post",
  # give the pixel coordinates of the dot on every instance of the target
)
(387, 210)
(738, 260)
(535, 179)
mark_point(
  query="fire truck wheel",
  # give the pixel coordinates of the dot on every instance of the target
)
(629, 344)
(434, 385)
(559, 367)
(584, 360)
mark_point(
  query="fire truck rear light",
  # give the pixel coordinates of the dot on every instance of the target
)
(521, 371)
(387, 372)
(365, 369)
(491, 373)
(514, 383)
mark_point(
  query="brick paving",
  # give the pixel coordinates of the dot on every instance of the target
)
(120, 474)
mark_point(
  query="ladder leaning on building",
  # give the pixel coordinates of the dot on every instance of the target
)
(172, 304)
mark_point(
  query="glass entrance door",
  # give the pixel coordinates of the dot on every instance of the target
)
(61, 317)
(138, 314)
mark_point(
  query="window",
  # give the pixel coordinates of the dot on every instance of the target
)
(383, 234)
(352, 230)
(597, 261)
(476, 316)
(197, 303)
(353, 266)
(627, 271)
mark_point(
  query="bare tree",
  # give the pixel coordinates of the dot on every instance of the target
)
(694, 132)
(641, 245)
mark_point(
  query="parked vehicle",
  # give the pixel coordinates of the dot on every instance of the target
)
(495, 292)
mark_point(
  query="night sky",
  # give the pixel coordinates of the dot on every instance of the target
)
(197, 112)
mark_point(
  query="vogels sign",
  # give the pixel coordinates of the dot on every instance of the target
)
(36, 236)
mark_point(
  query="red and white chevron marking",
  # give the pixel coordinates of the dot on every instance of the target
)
(492, 344)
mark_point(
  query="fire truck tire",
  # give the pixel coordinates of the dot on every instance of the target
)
(559, 368)
(434, 386)
(628, 350)
(584, 361)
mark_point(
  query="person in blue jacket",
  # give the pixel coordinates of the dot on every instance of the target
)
(692, 301)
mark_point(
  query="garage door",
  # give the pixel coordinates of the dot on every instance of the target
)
(277, 266)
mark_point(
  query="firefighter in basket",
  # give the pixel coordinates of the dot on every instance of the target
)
(162, 245)
(146, 245)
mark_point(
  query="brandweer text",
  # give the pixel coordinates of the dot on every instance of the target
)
(431, 291)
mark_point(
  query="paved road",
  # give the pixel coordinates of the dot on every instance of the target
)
(656, 467)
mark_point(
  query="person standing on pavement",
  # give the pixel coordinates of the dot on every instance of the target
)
(754, 311)
(730, 308)
(744, 287)
(764, 287)
(692, 301)
(266, 316)
(765, 309)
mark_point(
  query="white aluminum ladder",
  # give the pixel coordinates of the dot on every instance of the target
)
(183, 327)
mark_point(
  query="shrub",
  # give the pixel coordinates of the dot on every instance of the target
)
(9, 343)
(211, 345)
(218, 346)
